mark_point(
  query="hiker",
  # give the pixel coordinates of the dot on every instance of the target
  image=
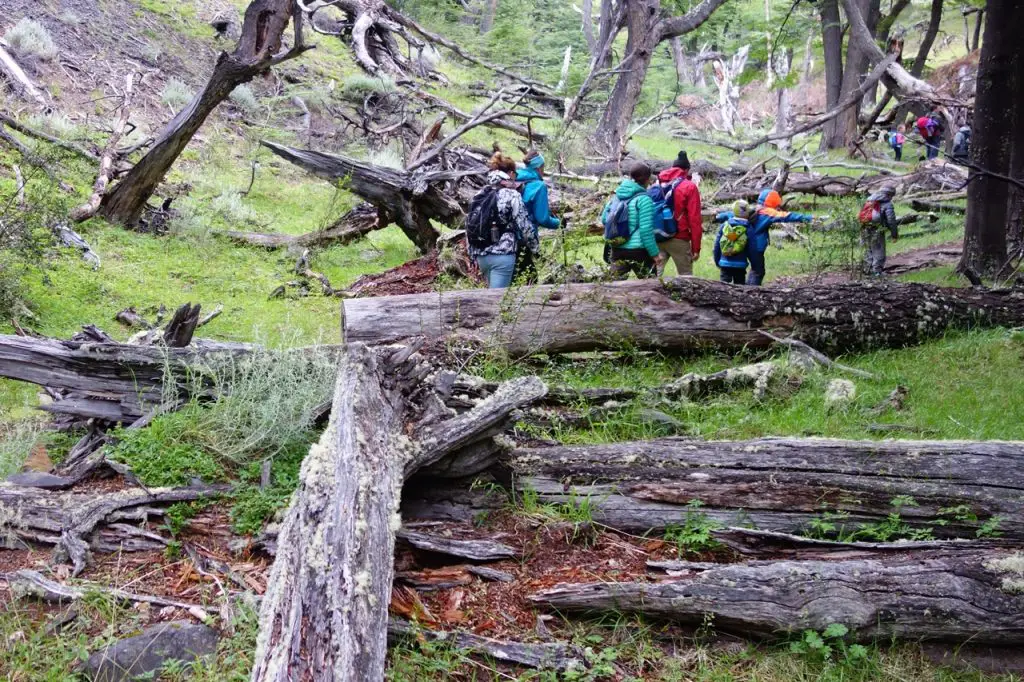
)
(962, 145)
(929, 127)
(767, 213)
(535, 192)
(732, 243)
(628, 220)
(877, 215)
(498, 226)
(897, 140)
(678, 228)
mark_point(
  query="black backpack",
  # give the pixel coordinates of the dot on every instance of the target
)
(483, 224)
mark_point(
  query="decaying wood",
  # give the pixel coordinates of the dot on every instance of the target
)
(683, 314)
(474, 550)
(950, 488)
(962, 597)
(355, 224)
(67, 520)
(14, 124)
(10, 68)
(324, 615)
(70, 238)
(29, 583)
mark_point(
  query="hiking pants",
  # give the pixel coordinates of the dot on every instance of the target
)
(757, 267)
(899, 152)
(932, 146)
(637, 261)
(873, 241)
(680, 252)
(497, 269)
(734, 275)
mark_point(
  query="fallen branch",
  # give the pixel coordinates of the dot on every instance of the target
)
(99, 188)
(18, 77)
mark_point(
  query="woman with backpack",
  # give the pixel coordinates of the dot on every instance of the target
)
(731, 244)
(679, 194)
(628, 220)
(498, 226)
(535, 192)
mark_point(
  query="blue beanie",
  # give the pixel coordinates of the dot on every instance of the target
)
(536, 162)
(763, 195)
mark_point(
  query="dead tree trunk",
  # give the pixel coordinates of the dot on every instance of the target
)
(679, 315)
(784, 113)
(324, 616)
(408, 199)
(487, 18)
(258, 49)
(726, 75)
(842, 130)
(954, 597)
(1001, 62)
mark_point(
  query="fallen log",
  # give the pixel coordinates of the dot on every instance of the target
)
(680, 315)
(859, 489)
(958, 597)
(474, 550)
(352, 226)
(324, 615)
(408, 199)
(68, 520)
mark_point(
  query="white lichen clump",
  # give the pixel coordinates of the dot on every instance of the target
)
(1011, 568)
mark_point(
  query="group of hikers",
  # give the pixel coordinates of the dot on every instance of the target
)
(932, 129)
(648, 220)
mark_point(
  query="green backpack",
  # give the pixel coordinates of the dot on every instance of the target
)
(734, 239)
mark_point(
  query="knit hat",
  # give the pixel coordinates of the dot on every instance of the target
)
(536, 162)
(740, 208)
(772, 199)
(763, 195)
(682, 161)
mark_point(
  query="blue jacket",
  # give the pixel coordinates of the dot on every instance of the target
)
(738, 260)
(535, 196)
(757, 233)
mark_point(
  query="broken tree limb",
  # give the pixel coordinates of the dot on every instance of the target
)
(67, 520)
(14, 124)
(29, 583)
(950, 488)
(409, 199)
(324, 616)
(354, 225)
(463, 116)
(957, 598)
(10, 67)
(474, 550)
(679, 315)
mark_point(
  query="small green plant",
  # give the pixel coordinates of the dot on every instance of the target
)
(245, 101)
(179, 514)
(29, 39)
(176, 94)
(358, 87)
(695, 535)
(828, 647)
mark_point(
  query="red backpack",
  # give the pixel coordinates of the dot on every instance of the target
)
(925, 126)
(870, 213)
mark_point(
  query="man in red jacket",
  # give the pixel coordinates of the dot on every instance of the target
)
(684, 248)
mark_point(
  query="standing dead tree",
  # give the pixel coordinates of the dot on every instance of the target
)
(325, 613)
(258, 49)
(726, 75)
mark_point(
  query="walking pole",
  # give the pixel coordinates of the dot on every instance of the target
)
(565, 255)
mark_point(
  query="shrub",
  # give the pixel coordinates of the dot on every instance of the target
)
(56, 123)
(16, 441)
(176, 94)
(29, 39)
(387, 157)
(233, 208)
(245, 101)
(358, 87)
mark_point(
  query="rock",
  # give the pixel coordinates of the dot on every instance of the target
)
(664, 424)
(38, 479)
(840, 393)
(146, 653)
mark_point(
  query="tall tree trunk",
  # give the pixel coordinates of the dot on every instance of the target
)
(258, 49)
(994, 138)
(977, 29)
(843, 130)
(783, 116)
(487, 17)
(683, 63)
(832, 37)
(587, 25)
(885, 25)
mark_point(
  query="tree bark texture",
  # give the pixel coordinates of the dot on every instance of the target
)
(409, 199)
(259, 48)
(956, 597)
(993, 138)
(832, 38)
(842, 130)
(917, 68)
(679, 315)
(487, 18)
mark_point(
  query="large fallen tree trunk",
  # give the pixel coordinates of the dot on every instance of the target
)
(948, 488)
(956, 597)
(408, 199)
(324, 616)
(683, 314)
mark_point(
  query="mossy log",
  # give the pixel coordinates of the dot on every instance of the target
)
(975, 597)
(680, 315)
(948, 488)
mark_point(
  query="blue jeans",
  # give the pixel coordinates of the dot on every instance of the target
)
(932, 147)
(756, 275)
(497, 270)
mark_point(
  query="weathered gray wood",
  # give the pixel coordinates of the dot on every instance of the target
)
(683, 314)
(474, 550)
(68, 519)
(957, 598)
(777, 484)
(324, 615)
(29, 583)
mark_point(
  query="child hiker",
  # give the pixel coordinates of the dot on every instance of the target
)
(897, 140)
(875, 217)
(731, 244)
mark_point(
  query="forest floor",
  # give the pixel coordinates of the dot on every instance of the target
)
(963, 386)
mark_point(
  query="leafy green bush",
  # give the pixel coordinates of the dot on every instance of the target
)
(245, 101)
(29, 39)
(358, 87)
